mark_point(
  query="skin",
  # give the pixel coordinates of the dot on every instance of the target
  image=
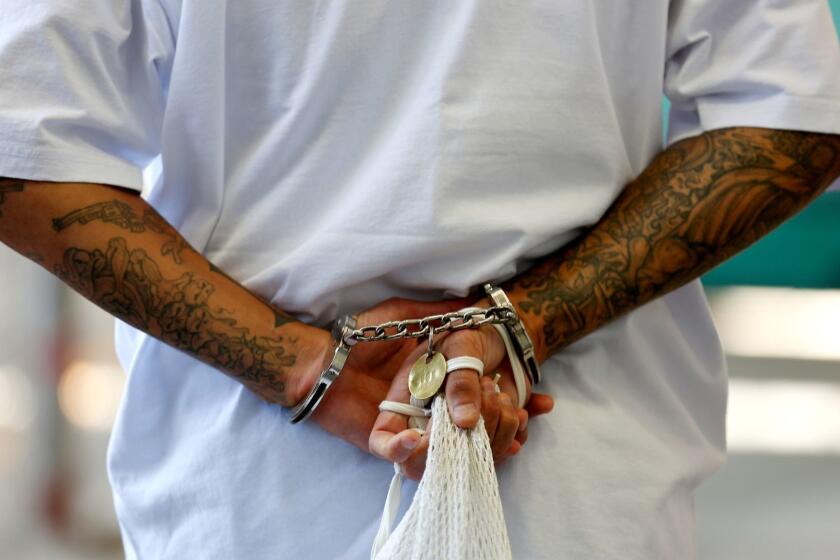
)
(507, 427)
(113, 248)
(700, 201)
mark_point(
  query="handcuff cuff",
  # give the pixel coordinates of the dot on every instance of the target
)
(341, 330)
(345, 336)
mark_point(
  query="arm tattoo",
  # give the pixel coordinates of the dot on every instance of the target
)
(128, 284)
(280, 316)
(702, 200)
(9, 186)
(123, 216)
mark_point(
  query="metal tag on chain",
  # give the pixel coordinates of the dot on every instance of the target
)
(427, 374)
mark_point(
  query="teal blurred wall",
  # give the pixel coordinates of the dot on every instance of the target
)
(803, 252)
(835, 7)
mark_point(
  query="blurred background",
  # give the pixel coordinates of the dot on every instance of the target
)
(777, 307)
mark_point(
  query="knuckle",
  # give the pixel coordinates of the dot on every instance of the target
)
(499, 448)
(501, 460)
(510, 417)
(463, 342)
(414, 469)
(373, 440)
(459, 385)
(490, 406)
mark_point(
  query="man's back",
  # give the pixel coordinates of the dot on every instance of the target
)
(331, 155)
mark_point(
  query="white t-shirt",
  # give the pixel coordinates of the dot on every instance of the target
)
(332, 154)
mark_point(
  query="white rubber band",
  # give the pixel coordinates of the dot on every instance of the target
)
(515, 363)
(403, 408)
(465, 362)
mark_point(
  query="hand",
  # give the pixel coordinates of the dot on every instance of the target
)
(467, 397)
(351, 405)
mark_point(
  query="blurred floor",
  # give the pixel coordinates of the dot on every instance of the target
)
(776, 504)
(43, 545)
(771, 507)
(778, 496)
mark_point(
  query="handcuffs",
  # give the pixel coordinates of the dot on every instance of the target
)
(345, 336)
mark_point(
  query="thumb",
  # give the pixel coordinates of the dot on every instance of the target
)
(392, 447)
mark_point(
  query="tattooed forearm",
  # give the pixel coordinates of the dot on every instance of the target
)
(8, 186)
(123, 216)
(280, 317)
(128, 283)
(106, 244)
(699, 202)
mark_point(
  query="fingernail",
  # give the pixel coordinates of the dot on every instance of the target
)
(465, 412)
(409, 444)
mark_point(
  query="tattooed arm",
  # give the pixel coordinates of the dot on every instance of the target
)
(699, 202)
(113, 248)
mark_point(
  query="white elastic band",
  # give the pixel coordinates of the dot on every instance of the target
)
(403, 408)
(465, 362)
(515, 363)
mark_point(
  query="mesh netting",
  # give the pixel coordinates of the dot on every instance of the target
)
(457, 512)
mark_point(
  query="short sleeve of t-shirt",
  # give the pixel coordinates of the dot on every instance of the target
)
(762, 63)
(82, 89)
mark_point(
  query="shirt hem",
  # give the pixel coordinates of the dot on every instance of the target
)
(781, 111)
(39, 165)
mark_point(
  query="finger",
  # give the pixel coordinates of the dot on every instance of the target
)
(522, 432)
(415, 465)
(390, 437)
(489, 406)
(539, 403)
(508, 425)
(463, 396)
(395, 448)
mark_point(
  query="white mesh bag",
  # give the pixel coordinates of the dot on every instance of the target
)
(457, 512)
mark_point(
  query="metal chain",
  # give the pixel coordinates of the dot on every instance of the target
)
(418, 328)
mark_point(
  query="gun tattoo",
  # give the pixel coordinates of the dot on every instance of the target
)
(123, 216)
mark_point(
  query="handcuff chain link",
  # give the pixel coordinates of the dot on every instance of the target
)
(419, 328)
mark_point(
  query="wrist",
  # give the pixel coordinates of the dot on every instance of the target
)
(315, 348)
(534, 324)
